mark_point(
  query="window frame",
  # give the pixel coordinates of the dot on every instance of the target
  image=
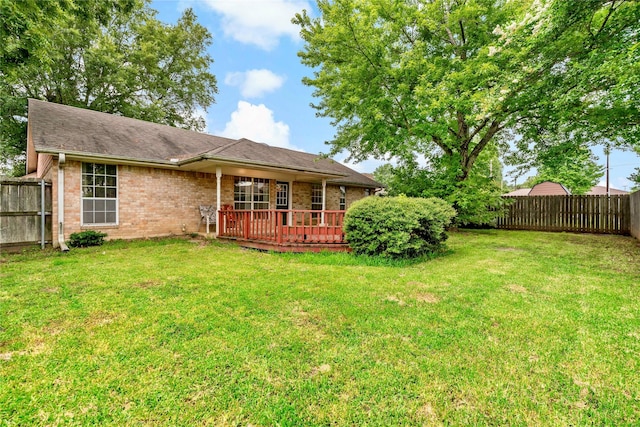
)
(100, 182)
(316, 197)
(342, 202)
(252, 196)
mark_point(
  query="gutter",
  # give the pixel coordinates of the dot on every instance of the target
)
(61, 161)
(178, 163)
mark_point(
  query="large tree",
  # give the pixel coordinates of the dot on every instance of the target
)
(112, 56)
(448, 78)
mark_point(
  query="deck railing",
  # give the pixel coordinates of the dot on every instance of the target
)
(282, 226)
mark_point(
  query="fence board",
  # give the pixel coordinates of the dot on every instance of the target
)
(634, 218)
(587, 214)
(20, 213)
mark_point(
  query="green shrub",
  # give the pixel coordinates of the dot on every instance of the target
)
(86, 238)
(397, 227)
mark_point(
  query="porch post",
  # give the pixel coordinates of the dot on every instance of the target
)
(290, 206)
(324, 199)
(218, 195)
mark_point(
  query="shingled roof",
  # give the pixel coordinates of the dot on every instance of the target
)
(56, 128)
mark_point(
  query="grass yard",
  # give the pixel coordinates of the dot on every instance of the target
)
(518, 328)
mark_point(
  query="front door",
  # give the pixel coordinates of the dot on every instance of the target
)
(282, 198)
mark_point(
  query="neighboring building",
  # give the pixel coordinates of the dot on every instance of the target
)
(551, 189)
(135, 179)
(599, 190)
(518, 193)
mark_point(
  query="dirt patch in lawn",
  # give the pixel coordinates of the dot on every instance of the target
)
(322, 369)
(147, 284)
(393, 298)
(517, 289)
(416, 284)
(428, 298)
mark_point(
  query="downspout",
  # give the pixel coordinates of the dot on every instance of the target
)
(43, 206)
(218, 195)
(61, 162)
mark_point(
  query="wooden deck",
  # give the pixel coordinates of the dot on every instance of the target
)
(284, 230)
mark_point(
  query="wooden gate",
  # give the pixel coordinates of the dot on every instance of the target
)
(25, 213)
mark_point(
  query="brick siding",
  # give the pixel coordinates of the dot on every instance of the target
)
(156, 202)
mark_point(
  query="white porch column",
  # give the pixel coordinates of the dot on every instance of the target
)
(324, 199)
(290, 203)
(218, 196)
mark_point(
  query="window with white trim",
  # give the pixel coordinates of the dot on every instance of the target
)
(99, 194)
(316, 197)
(367, 192)
(251, 193)
(343, 198)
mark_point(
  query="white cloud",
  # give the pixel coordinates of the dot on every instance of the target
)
(260, 23)
(256, 122)
(255, 83)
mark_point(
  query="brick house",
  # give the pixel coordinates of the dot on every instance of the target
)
(135, 179)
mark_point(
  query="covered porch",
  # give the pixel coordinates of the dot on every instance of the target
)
(284, 230)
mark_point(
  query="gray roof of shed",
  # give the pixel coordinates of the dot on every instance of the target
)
(57, 128)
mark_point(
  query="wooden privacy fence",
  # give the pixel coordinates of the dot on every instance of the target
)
(587, 214)
(25, 213)
(634, 201)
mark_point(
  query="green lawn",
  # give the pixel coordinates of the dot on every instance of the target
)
(516, 328)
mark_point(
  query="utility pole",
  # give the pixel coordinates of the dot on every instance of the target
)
(606, 152)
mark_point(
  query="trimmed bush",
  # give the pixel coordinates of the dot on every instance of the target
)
(86, 238)
(397, 227)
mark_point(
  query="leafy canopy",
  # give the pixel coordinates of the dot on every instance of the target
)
(445, 79)
(112, 56)
(477, 199)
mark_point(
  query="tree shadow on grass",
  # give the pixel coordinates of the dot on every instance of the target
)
(350, 259)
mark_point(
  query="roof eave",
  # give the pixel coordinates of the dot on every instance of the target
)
(106, 157)
(292, 169)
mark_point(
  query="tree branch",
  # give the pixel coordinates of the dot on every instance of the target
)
(438, 141)
(493, 129)
(478, 128)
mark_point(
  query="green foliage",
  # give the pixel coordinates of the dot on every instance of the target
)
(477, 200)
(397, 227)
(447, 80)
(84, 239)
(635, 179)
(112, 56)
(569, 164)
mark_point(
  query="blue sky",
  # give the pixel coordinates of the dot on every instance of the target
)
(261, 96)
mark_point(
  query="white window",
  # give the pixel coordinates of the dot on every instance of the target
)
(251, 193)
(316, 197)
(367, 192)
(343, 198)
(99, 194)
